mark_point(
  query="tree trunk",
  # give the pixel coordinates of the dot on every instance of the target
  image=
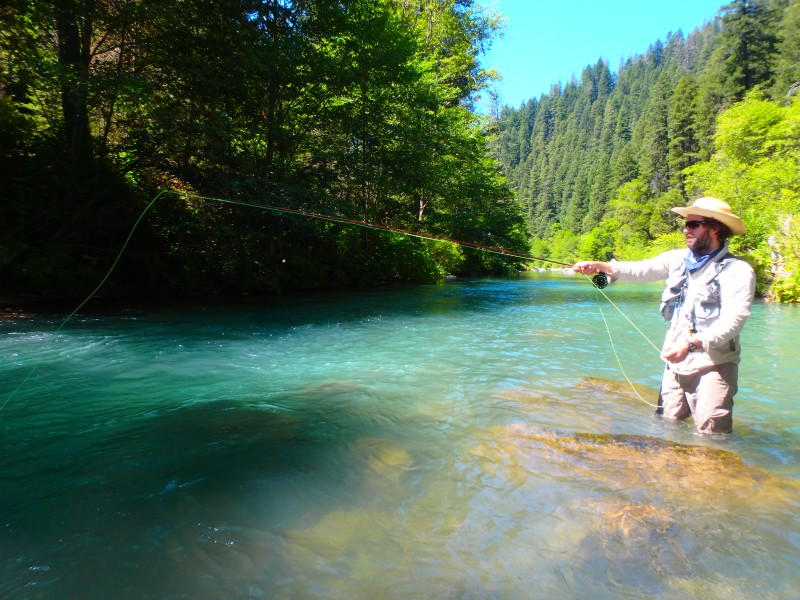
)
(73, 31)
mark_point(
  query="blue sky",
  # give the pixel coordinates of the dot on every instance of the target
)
(550, 40)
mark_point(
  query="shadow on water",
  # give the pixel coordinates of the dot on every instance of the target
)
(177, 504)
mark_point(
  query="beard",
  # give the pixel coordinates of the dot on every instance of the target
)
(700, 245)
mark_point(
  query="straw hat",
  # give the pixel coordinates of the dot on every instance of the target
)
(715, 209)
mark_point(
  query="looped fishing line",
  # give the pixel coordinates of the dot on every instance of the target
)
(611, 339)
(94, 291)
(335, 219)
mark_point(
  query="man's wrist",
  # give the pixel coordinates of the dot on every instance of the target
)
(694, 344)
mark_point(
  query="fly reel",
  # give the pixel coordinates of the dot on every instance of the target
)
(600, 280)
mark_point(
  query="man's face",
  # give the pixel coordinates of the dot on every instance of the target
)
(700, 239)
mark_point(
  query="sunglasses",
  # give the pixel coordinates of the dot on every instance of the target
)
(694, 224)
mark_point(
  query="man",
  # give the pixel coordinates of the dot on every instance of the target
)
(707, 301)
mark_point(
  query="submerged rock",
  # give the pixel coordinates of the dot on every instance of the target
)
(383, 457)
(603, 388)
(633, 519)
(626, 460)
(643, 508)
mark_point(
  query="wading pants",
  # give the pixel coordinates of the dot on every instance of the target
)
(707, 395)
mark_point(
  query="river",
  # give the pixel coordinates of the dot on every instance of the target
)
(472, 439)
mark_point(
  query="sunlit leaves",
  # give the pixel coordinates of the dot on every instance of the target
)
(757, 170)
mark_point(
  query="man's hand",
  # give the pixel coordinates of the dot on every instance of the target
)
(590, 267)
(676, 352)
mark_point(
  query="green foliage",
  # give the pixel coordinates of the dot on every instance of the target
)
(632, 209)
(363, 108)
(787, 289)
(359, 108)
(563, 244)
(757, 169)
(598, 244)
(654, 135)
(15, 128)
(664, 222)
(784, 261)
(666, 241)
(744, 132)
(447, 256)
(756, 166)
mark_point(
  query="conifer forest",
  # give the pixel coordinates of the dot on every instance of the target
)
(368, 110)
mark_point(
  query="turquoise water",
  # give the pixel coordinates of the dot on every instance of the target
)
(474, 439)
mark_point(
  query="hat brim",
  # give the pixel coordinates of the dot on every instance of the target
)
(735, 224)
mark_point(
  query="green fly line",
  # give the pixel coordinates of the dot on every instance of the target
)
(613, 348)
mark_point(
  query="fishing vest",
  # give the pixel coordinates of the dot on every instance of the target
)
(706, 302)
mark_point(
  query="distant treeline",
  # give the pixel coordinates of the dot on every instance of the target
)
(356, 108)
(597, 163)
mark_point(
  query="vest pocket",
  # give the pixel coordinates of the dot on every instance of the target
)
(706, 304)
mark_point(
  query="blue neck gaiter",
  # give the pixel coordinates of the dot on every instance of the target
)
(695, 262)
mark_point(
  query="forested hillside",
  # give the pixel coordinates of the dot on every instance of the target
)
(598, 162)
(355, 108)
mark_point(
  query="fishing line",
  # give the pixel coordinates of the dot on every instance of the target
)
(632, 324)
(368, 225)
(94, 291)
(614, 350)
(599, 281)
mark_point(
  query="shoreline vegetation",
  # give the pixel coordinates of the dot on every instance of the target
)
(366, 110)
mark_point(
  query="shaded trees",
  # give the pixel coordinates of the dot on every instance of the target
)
(359, 108)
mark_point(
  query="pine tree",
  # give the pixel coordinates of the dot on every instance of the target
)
(653, 161)
(683, 141)
(787, 65)
(743, 57)
(625, 167)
